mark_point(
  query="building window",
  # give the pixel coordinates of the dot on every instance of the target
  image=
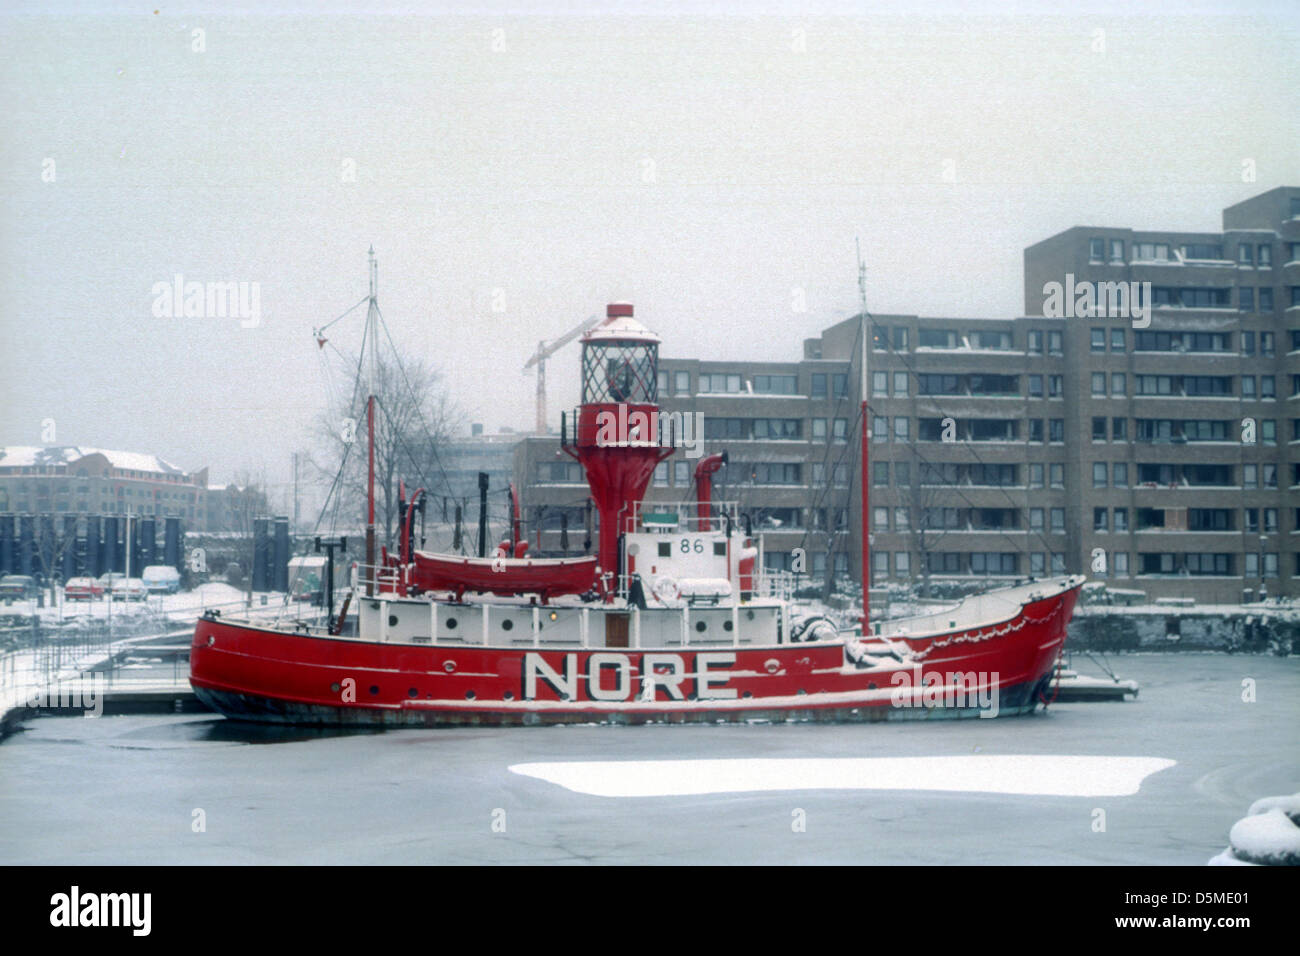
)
(1118, 385)
(839, 385)
(900, 339)
(1098, 384)
(1268, 431)
(1119, 563)
(819, 385)
(1058, 475)
(1035, 475)
(900, 385)
(1099, 475)
(1267, 386)
(682, 383)
(1055, 343)
(901, 432)
(879, 429)
(1036, 519)
(1098, 429)
(879, 384)
(1056, 430)
(902, 563)
(1119, 429)
(661, 475)
(1266, 302)
(880, 519)
(1246, 299)
(1055, 386)
(1058, 521)
(1121, 519)
(1099, 519)
(1246, 254)
(1035, 346)
(880, 474)
(902, 474)
(1037, 564)
(1121, 474)
(1248, 386)
(1035, 386)
(1098, 340)
(819, 429)
(1265, 256)
(1095, 249)
(1117, 250)
(1117, 340)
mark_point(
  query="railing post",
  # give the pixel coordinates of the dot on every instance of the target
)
(486, 611)
(433, 620)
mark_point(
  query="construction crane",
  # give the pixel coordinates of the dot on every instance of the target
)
(544, 351)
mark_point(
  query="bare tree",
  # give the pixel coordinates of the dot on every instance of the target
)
(925, 500)
(414, 419)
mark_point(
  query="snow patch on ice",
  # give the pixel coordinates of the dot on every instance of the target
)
(1029, 774)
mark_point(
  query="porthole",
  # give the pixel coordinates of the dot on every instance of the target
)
(374, 690)
(510, 695)
(392, 620)
(449, 666)
(726, 625)
(701, 626)
(451, 624)
(507, 624)
(748, 694)
(412, 693)
(469, 695)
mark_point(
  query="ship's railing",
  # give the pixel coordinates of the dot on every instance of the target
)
(776, 584)
(687, 515)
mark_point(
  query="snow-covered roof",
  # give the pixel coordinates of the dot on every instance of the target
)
(27, 456)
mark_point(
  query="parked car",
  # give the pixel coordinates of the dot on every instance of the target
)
(17, 587)
(161, 579)
(106, 581)
(82, 589)
(129, 589)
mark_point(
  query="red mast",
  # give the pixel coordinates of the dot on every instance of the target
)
(372, 336)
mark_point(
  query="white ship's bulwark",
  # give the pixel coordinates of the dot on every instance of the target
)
(672, 620)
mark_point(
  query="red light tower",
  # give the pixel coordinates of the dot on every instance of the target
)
(617, 434)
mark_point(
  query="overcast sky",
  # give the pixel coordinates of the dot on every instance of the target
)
(713, 170)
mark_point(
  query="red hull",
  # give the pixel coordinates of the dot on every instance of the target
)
(267, 675)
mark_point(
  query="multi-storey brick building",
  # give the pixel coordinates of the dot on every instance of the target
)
(1116, 446)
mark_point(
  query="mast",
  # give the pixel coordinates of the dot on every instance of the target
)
(865, 477)
(372, 337)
